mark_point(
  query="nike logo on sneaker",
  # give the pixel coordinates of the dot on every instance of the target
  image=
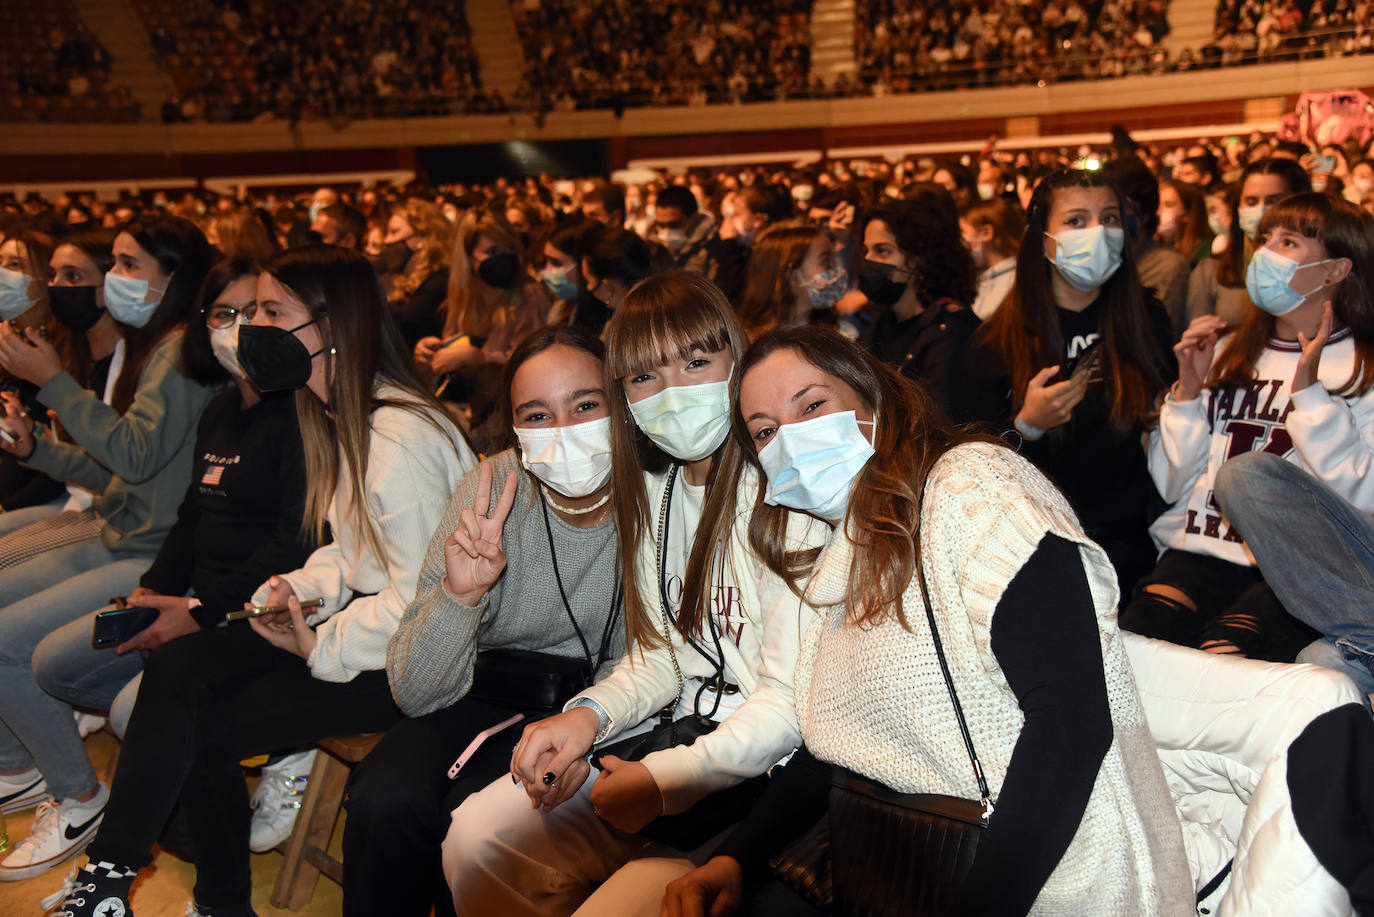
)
(72, 832)
(18, 793)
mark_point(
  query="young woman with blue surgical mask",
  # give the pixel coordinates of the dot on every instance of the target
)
(136, 452)
(562, 276)
(1294, 379)
(1217, 284)
(937, 530)
(792, 278)
(1075, 359)
(710, 632)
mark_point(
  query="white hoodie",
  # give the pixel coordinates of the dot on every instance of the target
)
(1330, 437)
(759, 621)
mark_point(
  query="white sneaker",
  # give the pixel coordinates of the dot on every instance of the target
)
(61, 830)
(277, 800)
(87, 723)
(22, 791)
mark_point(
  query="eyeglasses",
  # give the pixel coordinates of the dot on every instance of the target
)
(220, 316)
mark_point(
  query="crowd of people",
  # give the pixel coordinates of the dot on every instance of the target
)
(53, 69)
(701, 492)
(1261, 32)
(580, 54)
(232, 60)
(911, 47)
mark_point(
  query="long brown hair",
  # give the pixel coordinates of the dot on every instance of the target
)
(665, 317)
(1193, 229)
(462, 309)
(769, 294)
(1025, 331)
(436, 241)
(883, 520)
(1345, 231)
(365, 349)
(182, 253)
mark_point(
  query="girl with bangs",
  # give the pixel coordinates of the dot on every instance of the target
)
(1076, 359)
(793, 278)
(711, 633)
(381, 460)
(1293, 380)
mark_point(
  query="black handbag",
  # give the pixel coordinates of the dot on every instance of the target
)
(527, 680)
(881, 853)
(714, 813)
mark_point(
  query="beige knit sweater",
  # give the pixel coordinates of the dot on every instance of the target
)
(873, 698)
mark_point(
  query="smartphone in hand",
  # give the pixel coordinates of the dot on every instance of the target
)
(120, 623)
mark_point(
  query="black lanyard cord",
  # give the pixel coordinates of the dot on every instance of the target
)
(592, 665)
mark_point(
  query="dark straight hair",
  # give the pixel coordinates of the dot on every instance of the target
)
(180, 249)
(1025, 331)
(536, 342)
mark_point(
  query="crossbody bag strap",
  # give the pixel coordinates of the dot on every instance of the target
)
(954, 697)
(666, 714)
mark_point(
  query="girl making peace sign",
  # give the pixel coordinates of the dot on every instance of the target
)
(524, 559)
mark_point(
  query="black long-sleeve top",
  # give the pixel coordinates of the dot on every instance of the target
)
(927, 348)
(240, 521)
(1102, 472)
(1045, 638)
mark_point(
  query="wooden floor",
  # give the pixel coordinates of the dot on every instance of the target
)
(164, 889)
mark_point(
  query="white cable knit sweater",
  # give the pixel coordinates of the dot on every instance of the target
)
(873, 699)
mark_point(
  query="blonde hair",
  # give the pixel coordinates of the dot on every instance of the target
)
(436, 234)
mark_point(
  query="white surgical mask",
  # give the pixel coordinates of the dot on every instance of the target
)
(1086, 258)
(1168, 224)
(1249, 219)
(224, 343)
(1214, 223)
(126, 298)
(688, 422)
(811, 465)
(573, 460)
(673, 239)
(14, 294)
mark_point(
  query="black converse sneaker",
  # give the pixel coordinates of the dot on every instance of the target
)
(94, 890)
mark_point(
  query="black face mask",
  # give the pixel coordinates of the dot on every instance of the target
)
(274, 359)
(392, 260)
(75, 307)
(875, 282)
(500, 270)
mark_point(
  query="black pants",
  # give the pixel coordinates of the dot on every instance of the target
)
(399, 800)
(1234, 605)
(208, 700)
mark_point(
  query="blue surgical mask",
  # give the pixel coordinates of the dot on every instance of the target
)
(558, 283)
(1087, 258)
(827, 288)
(126, 299)
(812, 464)
(1268, 280)
(14, 294)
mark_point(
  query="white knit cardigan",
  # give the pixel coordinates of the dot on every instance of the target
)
(873, 699)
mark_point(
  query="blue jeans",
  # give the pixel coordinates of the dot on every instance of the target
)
(66, 666)
(41, 595)
(1315, 550)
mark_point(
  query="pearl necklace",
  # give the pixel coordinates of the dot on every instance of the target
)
(548, 495)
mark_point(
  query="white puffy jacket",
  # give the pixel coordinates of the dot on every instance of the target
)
(1223, 726)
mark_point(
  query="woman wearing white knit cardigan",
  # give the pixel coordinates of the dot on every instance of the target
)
(1025, 608)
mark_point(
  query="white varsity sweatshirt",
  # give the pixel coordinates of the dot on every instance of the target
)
(759, 621)
(1330, 437)
(412, 470)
